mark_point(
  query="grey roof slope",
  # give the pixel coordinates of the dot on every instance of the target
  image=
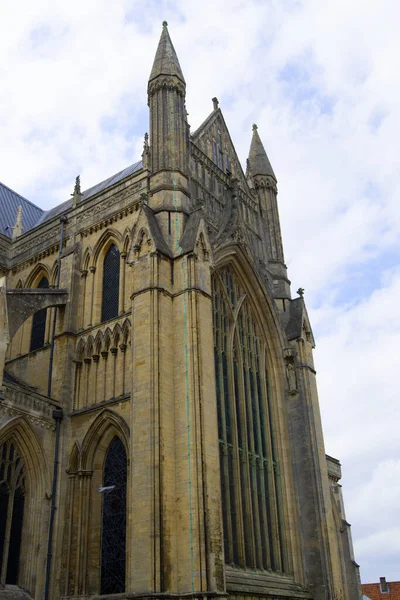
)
(9, 203)
(99, 187)
(258, 159)
(166, 60)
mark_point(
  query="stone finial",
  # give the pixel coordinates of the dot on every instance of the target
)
(215, 103)
(164, 24)
(76, 194)
(17, 229)
(255, 127)
(146, 151)
(77, 188)
(300, 292)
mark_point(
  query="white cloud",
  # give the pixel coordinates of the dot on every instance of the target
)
(320, 79)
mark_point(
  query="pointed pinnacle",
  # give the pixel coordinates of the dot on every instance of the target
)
(166, 60)
(258, 159)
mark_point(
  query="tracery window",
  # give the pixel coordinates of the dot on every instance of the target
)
(12, 501)
(39, 322)
(113, 542)
(249, 470)
(109, 308)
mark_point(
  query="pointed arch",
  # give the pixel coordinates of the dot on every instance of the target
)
(117, 335)
(89, 347)
(53, 273)
(87, 255)
(19, 284)
(74, 459)
(39, 271)
(37, 472)
(249, 367)
(80, 349)
(107, 339)
(108, 237)
(106, 425)
(126, 236)
(126, 331)
(99, 341)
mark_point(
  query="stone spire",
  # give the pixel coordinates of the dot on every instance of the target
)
(17, 229)
(262, 180)
(166, 61)
(258, 159)
(168, 155)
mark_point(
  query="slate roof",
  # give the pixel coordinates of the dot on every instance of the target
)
(99, 187)
(33, 215)
(9, 203)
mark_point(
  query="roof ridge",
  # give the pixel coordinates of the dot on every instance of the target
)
(20, 196)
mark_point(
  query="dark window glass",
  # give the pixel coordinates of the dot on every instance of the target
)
(3, 518)
(113, 542)
(39, 322)
(214, 147)
(109, 308)
(15, 537)
(12, 501)
(249, 483)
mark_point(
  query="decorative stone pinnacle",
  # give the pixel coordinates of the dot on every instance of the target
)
(17, 229)
(215, 103)
(300, 292)
(77, 188)
(255, 127)
(164, 24)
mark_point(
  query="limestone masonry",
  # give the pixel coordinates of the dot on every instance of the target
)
(160, 433)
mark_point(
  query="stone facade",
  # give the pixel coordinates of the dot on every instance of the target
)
(185, 221)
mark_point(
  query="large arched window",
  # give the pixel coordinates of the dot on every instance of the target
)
(12, 500)
(39, 322)
(248, 463)
(109, 307)
(113, 539)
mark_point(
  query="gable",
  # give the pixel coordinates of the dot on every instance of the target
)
(212, 137)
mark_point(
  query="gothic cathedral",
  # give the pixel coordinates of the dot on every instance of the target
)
(160, 434)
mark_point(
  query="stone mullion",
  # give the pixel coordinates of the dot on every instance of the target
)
(87, 478)
(122, 269)
(87, 362)
(83, 301)
(261, 466)
(77, 391)
(91, 300)
(70, 503)
(239, 451)
(272, 467)
(95, 358)
(114, 352)
(251, 448)
(224, 446)
(7, 532)
(245, 467)
(123, 347)
(104, 362)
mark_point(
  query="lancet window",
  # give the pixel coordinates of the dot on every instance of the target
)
(110, 299)
(249, 469)
(113, 542)
(12, 502)
(39, 322)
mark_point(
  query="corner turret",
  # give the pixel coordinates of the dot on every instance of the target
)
(169, 141)
(262, 179)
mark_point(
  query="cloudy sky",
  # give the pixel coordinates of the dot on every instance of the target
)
(321, 80)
